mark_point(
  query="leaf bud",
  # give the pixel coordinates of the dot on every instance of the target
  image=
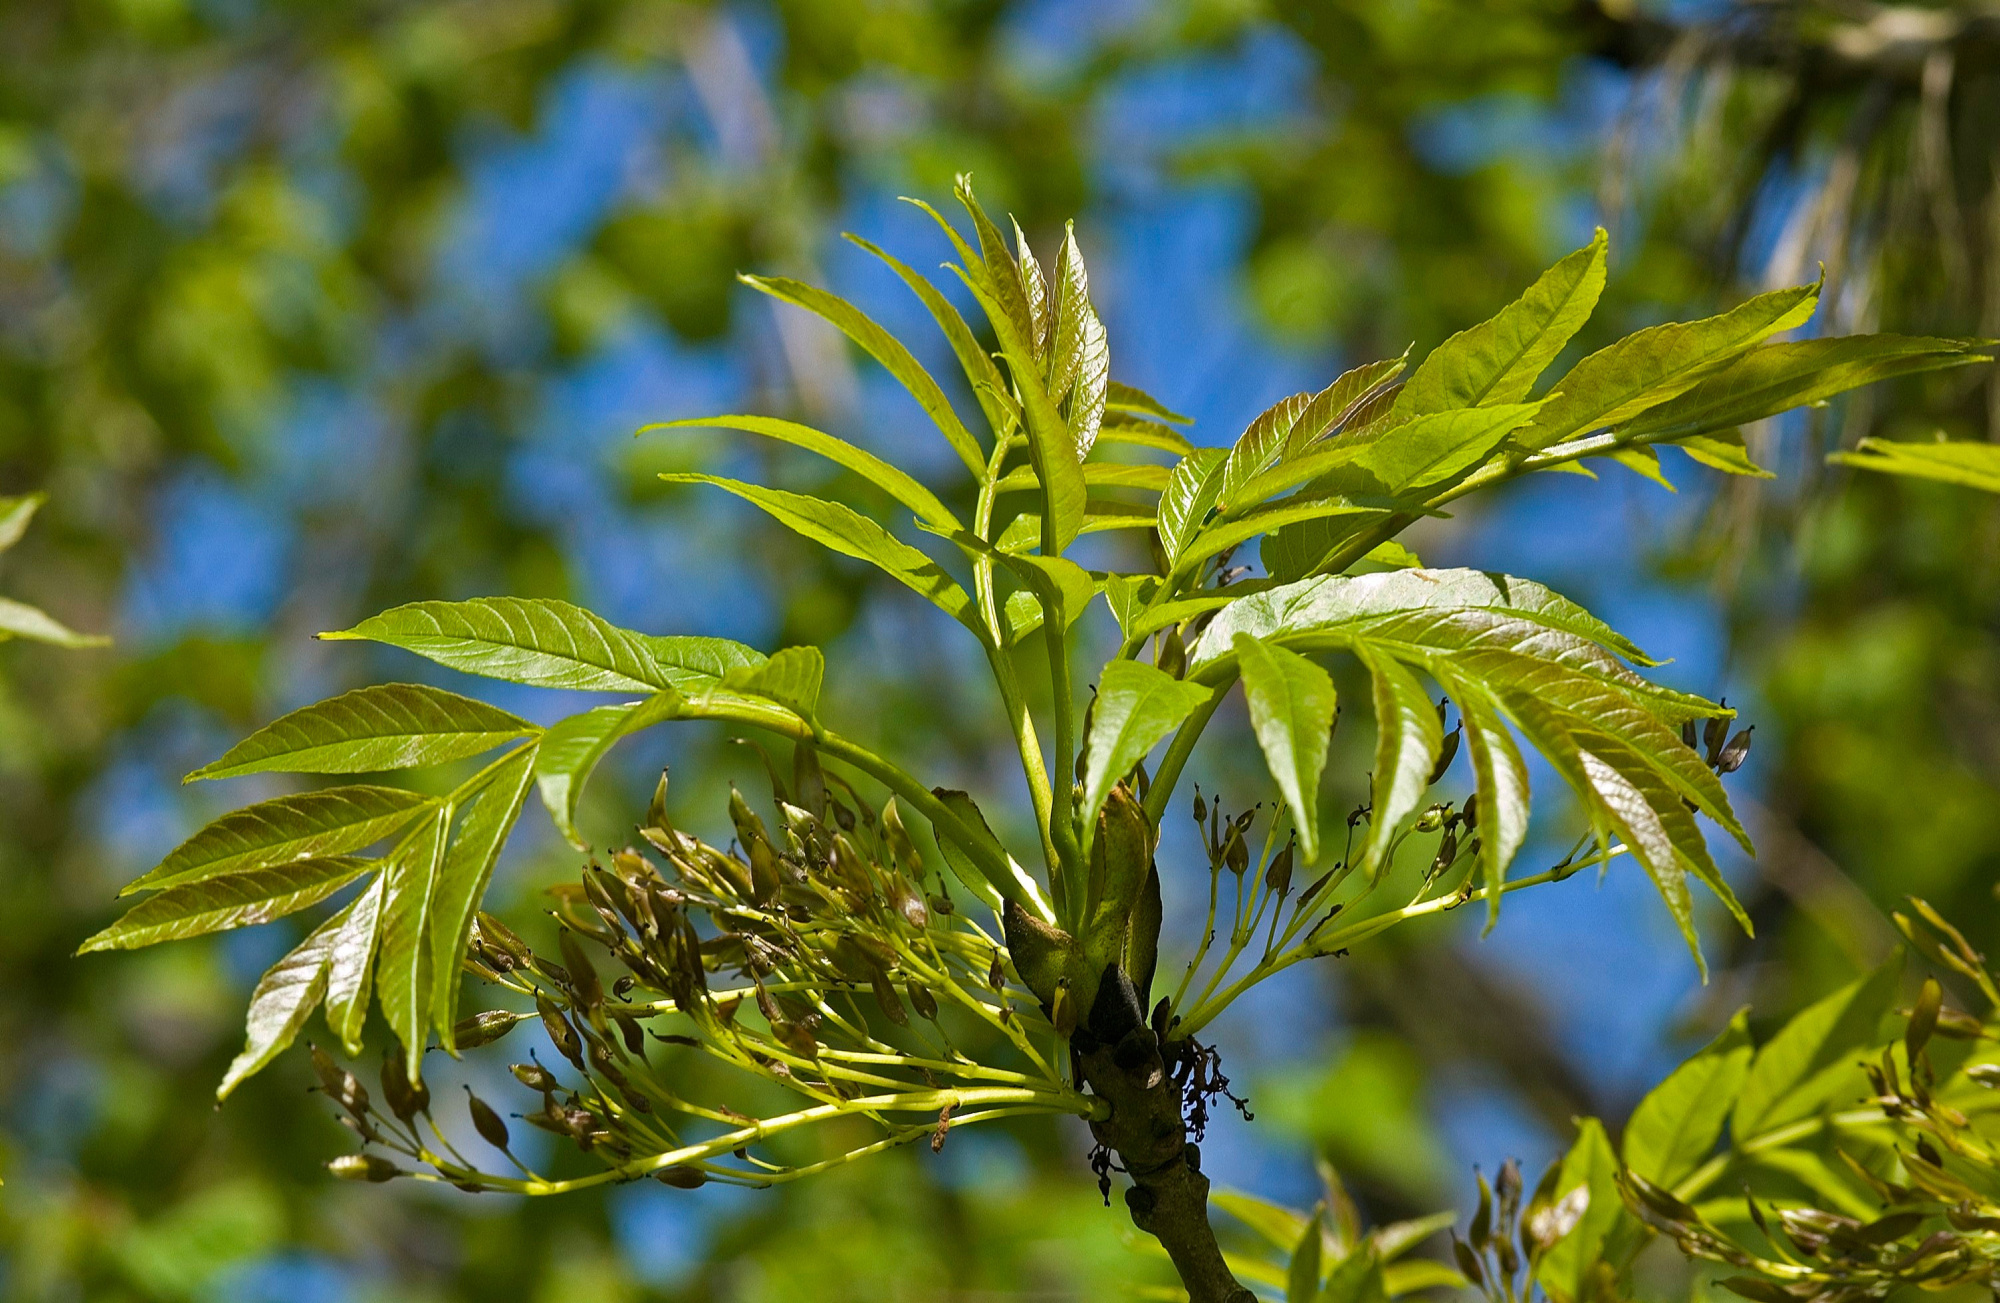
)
(885, 996)
(908, 903)
(1468, 1262)
(485, 1121)
(1470, 814)
(499, 935)
(406, 1097)
(1732, 757)
(841, 814)
(996, 975)
(483, 1028)
(748, 826)
(1278, 878)
(363, 1167)
(1431, 819)
(656, 809)
(898, 837)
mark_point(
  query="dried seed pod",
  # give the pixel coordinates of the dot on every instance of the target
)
(922, 1001)
(560, 1032)
(1689, 736)
(485, 1121)
(907, 902)
(363, 1167)
(483, 1028)
(898, 837)
(1446, 754)
(1200, 806)
(1733, 755)
(341, 1086)
(1278, 877)
(583, 982)
(682, 1177)
(406, 1097)
(1236, 852)
(1714, 732)
(996, 975)
(885, 996)
(535, 1077)
(841, 814)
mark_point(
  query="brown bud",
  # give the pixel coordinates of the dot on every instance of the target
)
(486, 1121)
(1278, 878)
(535, 1077)
(1236, 852)
(560, 1032)
(682, 1177)
(363, 1167)
(1713, 732)
(885, 996)
(340, 1085)
(922, 1001)
(406, 1098)
(1446, 754)
(1732, 757)
(583, 980)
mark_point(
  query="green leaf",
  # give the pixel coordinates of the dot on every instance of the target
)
(541, 642)
(1357, 1278)
(1279, 1226)
(1976, 465)
(15, 515)
(1500, 777)
(231, 901)
(1302, 1275)
(1119, 428)
(699, 662)
(1191, 491)
(285, 997)
(1125, 398)
(1811, 1057)
(1080, 355)
(1566, 1272)
(571, 749)
(368, 730)
(790, 677)
(1429, 450)
(989, 888)
(405, 974)
(1418, 1274)
(886, 349)
(850, 533)
(1268, 437)
(1407, 738)
(467, 867)
(1779, 377)
(19, 620)
(1725, 451)
(1059, 585)
(898, 485)
(1498, 361)
(1291, 710)
(1642, 461)
(1654, 365)
(1337, 407)
(1137, 706)
(332, 821)
(980, 372)
(351, 966)
(1675, 1127)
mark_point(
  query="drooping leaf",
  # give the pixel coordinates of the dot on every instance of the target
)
(1121, 428)
(890, 479)
(570, 750)
(1500, 778)
(989, 888)
(848, 532)
(405, 971)
(1975, 465)
(1498, 360)
(1137, 706)
(285, 997)
(368, 730)
(351, 968)
(467, 867)
(1407, 738)
(231, 901)
(15, 516)
(1651, 366)
(1060, 585)
(1642, 461)
(1779, 377)
(1125, 398)
(790, 677)
(886, 349)
(1566, 1272)
(1291, 709)
(541, 642)
(1277, 1225)
(332, 821)
(1675, 1127)
(1802, 1066)
(19, 620)
(1723, 451)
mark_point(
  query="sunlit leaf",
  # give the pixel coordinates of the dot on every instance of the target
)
(980, 372)
(1975, 465)
(1500, 778)
(1279, 1226)
(1811, 1056)
(850, 533)
(886, 349)
(1124, 398)
(570, 750)
(390, 726)
(351, 968)
(1186, 501)
(1567, 1271)
(467, 867)
(1137, 706)
(1498, 360)
(332, 821)
(19, 620)
(1302, 1276)
(405, 972)
(898, 485)
(15, 516)
(285, 997)
(231, 901)
(1291, 710)
(1407, 738)
(537, 641)
(691, 662)
(1724, 451)
(790, 677)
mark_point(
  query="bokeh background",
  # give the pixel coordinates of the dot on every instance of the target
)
(309, 309)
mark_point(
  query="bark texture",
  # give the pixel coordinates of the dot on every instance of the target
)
(1118, 1056)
